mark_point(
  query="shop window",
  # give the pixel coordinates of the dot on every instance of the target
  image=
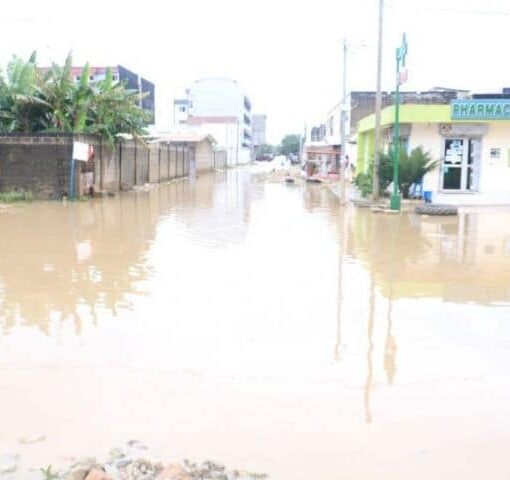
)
(404, 146)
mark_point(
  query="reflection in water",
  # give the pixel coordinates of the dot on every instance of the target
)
(171, 314)
(57, 259)
(390, 349)
(341, 255)
(67, 262)
(370, 348)
(464, 259)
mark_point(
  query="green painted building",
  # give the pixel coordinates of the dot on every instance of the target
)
(470, 138)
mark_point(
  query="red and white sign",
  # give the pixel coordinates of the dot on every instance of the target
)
(403, 76)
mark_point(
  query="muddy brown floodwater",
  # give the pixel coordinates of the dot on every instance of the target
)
(259, 325)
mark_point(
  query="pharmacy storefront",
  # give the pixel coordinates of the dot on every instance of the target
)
(470, 138)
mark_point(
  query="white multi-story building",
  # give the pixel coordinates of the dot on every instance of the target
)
(259, 129)
(219, 107)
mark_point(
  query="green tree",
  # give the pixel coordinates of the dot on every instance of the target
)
(290, 144)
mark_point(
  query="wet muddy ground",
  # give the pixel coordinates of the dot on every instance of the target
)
(257, 324)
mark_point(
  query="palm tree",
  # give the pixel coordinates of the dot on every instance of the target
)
(412, 168)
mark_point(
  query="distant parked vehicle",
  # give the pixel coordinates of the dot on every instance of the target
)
(294, 159)
(265, 157)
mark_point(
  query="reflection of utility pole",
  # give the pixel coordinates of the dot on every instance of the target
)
(343, 119)
(341, 254)
(390, 348)
(378, 101)
(370, 332)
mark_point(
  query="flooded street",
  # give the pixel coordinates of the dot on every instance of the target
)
(260, 325)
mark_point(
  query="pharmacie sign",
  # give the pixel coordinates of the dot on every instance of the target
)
(480, 109)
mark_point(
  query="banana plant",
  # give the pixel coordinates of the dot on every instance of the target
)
(20, 106)
(33, 101)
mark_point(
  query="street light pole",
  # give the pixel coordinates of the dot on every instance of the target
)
(378, 102)
(343, 120)
(400, 57)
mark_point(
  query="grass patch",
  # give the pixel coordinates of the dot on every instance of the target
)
(12, 197)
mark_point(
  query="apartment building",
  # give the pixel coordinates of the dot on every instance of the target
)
(220, 107)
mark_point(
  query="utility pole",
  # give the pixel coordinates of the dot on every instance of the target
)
(343, 120)
(378, 101)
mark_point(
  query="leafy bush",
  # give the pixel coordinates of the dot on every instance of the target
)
(412, 168)
(364, 183)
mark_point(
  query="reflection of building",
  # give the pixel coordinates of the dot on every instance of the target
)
(220, 107)
(469, 137)
(457, 259)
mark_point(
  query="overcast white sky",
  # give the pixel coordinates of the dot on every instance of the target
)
(285, 54)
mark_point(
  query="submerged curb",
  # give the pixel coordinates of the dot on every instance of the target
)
(433, 209)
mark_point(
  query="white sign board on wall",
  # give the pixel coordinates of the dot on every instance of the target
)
(80, 151)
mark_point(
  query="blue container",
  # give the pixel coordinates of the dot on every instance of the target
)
(427, 196)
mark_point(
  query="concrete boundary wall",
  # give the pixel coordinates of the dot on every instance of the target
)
(41, 164)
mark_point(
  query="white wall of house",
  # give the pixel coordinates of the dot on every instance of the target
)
(204, 156)
(494, 175)
(221, 97)
(227, 137)
(427, 136)
(216, 97)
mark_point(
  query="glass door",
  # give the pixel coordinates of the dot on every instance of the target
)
(454, 163)
(460, 168)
